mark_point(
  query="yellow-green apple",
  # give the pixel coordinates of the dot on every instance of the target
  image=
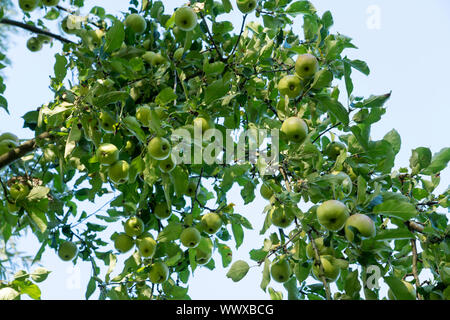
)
(162, 211)
(67, 250)
(191, 189)
(333, 149)
(136, 23)
(330, 269)
(280, 270)
(146, 44)
(123, 242)
(19, 191)
(178, 54)
(290, 85)
(265, 191)
(280, 217)
(362, 223)
(306, 66)
(33, 44)
(332, 215)
(143, 115)
(203, 124)
(190, 237)
(185, 18)
(211, 222)
(118, 172)
(159, 148)
(159, 272)
(107, 154)
(295, 129)
(203, 252)
(146, 245)
(167, 165)
(134, 226)
(246, 6)
(106, 122)
(28, 5)
(323, 250)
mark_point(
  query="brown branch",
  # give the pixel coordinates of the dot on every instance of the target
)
(286, 180)
(34, 29)
(414, 267)
(212, 39)
(284, 246)
(240, 34)
(330, 128)
(413, 226)
(21, 150)
(318, 262)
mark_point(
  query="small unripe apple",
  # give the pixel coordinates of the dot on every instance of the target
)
(158, 59)
(280, 217)
(159, 272)
(12, 207)
(323, 250)
(191, 189)
(7, 145)
(159, 148)
(190, 237)
(118, 172)
(136, 23)
(123, 242)
(50, 3)
(143, 115)
(203, 252)
(185, 18)
(67, 250)
(19, 191)
(107, 154)
(28, 5)
(362, 223)
(280, 270)
(9, 136)
(332, 215)
(306, 66)
(331, 270)
(167, 165)
(333, 149)
(246, 6)
(146, 245)
(134, 226)
(162, 211)
(211, 222)
(290, 85)
(106, 122)
(203, 124)
(44, 39)
(265, 191)
(34, 45)
(295, 129)
(146, 44)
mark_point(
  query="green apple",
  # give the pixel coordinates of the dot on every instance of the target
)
(136, 23)
(411, 291)
(34, 45)
(330, 269)
(191, 189)
(295, 129)
(211, 222)
(162, 211)
(12, 207)
(344, 181)
(9, 136)
(118, 172)
(167, 165)
(203, 124)
(362, 223)
(185, 18)
(333, 149)
(50, 3)
(323, 250)
(159, 272)
(28, 5)
(134, 226)
(67, 250)
(123, 242)
(178, 54)
(107, 154)
(94, 38)
(203, 252)
(7, 145)
(265, 191)
(148, 57)
(190, 237)
(19, 191)
(306, 66)
(44, 39)
(332, 215)
(143, 115)
(158, 59)
(159, 148)
(280, 270)
(246, 6)
(281, 217)
(290, 85)
(146, 44)
(106, 122)
(146, 245)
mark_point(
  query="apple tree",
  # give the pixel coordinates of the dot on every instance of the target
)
(337, 211)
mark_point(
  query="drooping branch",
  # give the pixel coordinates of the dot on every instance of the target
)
(21, 150)
(34, 29)
(319, 263)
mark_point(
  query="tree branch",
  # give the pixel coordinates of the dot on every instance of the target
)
(413, 226)
(330, 128)
(211, 38)
(34, 29)
(21, 150)
(414, 267)
(239, 37)
(318, 262)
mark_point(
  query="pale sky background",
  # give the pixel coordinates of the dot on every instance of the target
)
(406, 49)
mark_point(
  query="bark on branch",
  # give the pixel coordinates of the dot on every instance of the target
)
(319, 263)
(21, 150)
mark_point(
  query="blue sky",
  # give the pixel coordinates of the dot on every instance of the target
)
(406, 45)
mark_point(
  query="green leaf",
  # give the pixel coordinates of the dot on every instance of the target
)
(275, 295)
(31, 290)
(394, 234)
(238, 270)
(226, 253)
(39, 219)
(396, 209)
(334, 107)
(165, 96)
(322, 79)
(374, 101)
(291, 288)
(420, 158)
(360, 66)
(171, 232)
(4, 103)
(265, 275)
(216, 90)
(37, 193)
(90, 288)
(115, 37)
(394, 139)
(438, 162)
(74, 136)
(133, 126)
(110, 97)
(112, 265)
(352, 286)
(348, 79)
(40, 274)
(8, 294)
(60, 67)
(238, 234)
(300, 7)
(398, 288)
(362, 189)
(227, 5)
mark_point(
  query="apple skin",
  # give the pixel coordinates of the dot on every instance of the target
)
(123, 242)
(295, 129)
(19, 191)
(134, 226)
(44, 39)
(265, 191)
(107, 154)
(323, 250)
(106, 122)
(136, 23)
(143, 115)
(410, 288)
(28, 5)
(362, 223)
(159, 272)
(330, 269)
(246, 6)
(290, 85)
(306, 66)
(167, 165)
(146, 246)
(333, 150)
(185, 18)
(34, 45)
(7, 145)
(118, 172)
(162, 211)
(159, 148)
(203, 124)
(203, 252)
(67, 250)
(9, 136)
(280, 218)
(50, 3)
(280, 270)
(332, 215)
(190, 237)
(211, 222)
(191, 189)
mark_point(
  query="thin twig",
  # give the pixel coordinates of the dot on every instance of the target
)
(319, 263)
(330, 128)
(211, 38)
(239, 37)
(414, 268)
